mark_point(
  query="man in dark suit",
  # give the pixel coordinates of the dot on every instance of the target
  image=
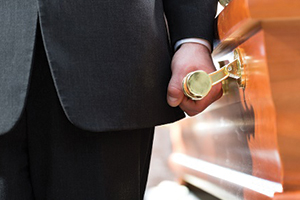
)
(83, 83)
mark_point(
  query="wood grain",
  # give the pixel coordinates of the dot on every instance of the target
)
(283, 52)
(242, 18)
(254, 130)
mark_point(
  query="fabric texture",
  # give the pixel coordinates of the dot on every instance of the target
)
(17, 36)
(45, 157)
(110, 60)
(79, 116)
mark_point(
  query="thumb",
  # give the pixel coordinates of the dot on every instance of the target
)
(175, 94)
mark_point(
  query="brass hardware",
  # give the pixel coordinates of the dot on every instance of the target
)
(225, 86)
(196, 85)
(224, 2)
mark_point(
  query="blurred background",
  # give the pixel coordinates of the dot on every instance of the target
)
(162, 182)
(245, 145)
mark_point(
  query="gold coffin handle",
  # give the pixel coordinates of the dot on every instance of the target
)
(197, 84)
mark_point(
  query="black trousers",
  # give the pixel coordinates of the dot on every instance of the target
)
(46, 157)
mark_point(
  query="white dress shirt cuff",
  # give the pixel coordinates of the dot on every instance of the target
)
(192, 40)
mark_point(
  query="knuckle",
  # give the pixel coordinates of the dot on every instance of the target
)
(191, 113)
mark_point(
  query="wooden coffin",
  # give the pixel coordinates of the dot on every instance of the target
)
(247, 144)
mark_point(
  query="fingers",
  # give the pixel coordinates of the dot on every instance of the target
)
(180, 69)
(195, 107)
(188, 58)
(175, 95)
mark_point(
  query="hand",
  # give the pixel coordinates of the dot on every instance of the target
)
(190, 57)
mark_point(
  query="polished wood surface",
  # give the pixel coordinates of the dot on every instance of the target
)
(243, 18)
(241, 12)
(284, 71)
(252, 132)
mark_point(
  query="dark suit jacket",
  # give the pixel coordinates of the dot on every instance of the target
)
(110, 59)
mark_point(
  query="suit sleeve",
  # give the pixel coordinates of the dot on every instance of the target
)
(190, 19)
